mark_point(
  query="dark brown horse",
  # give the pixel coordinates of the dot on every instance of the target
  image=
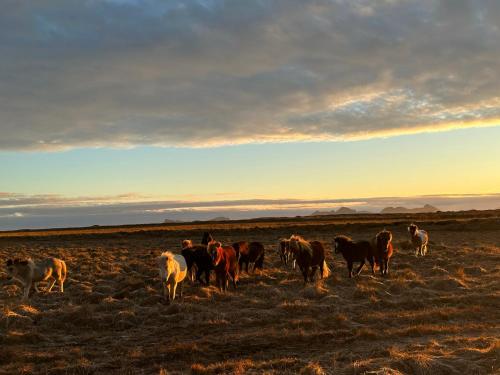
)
(207, 237)
(252, 252)
(309, 256)
(383, 250)
(225, 264)
(197, 257)
(355, 251)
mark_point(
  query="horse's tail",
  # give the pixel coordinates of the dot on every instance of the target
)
(64, 270)
(326, 270)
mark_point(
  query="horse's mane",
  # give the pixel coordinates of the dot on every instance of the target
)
(342, 239)
(302, 244)
(167, 255)
(385, 234)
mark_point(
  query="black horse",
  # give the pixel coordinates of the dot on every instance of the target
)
(355, 251)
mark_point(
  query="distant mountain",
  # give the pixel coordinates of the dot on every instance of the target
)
(170, 221)
(340, 211)
(220, 218)
(403, 210)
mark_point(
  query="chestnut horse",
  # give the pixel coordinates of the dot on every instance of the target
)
(383, 250)
(225, 264)
(355, 251)
(309, 256)
(252, 252)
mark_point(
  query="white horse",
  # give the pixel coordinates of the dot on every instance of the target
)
(419, 239)
(173, 271)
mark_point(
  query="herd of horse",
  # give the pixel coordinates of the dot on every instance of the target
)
(228, 260)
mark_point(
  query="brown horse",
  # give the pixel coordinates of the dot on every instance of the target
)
(225, 264)
(383, 250)
(252, 252)
(284, 248)
(355, 251)
(309, 256)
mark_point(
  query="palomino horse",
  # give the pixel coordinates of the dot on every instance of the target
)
(419, 239)
(173, 270)
(383, 250)
(309, 256)
(355, 251)
(225, 264)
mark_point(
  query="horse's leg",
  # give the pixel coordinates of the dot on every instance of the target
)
(321, 269)
(35, 285)
(174, 288)
(358, 271)
(371, 260)
(52, 282)
(386, 266)
(305, 272)
(313, 272)
(27, 288)
(181, 289)
(349, 268)
(168, 292)
(198, 275)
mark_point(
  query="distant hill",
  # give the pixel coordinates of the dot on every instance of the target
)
(220, 218)
(403, 210)
(170, 221)
(340, 211)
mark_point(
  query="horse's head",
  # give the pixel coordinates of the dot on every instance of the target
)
(215, 251)
(187, 244)
(339, 242)
(412, 229)
(16, 267)
(167, 262)
(384, 239)
(207, 238)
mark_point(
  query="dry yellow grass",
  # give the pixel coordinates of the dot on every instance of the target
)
(432, 315)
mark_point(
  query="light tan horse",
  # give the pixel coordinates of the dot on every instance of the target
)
(173, 271)
(29, 272)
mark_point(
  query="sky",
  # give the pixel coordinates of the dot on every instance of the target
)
(130, 111)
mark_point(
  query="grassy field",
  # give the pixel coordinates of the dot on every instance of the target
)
(434, 315)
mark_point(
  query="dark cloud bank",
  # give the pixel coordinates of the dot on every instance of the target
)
(86, 73)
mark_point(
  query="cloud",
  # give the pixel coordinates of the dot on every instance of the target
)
(19, 211)
(121, 73)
